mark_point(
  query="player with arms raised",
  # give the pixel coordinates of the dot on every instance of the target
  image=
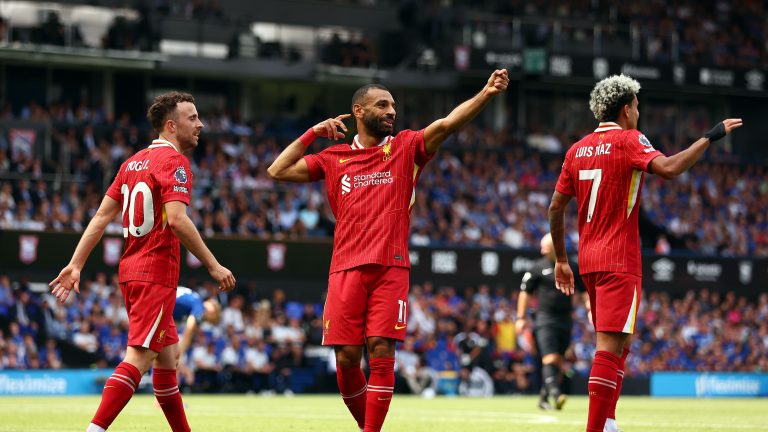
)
(604, 171)
(371, 190)
(153, 190)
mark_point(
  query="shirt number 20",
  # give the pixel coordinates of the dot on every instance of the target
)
(148, 209)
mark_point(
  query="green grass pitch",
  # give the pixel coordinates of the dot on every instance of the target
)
(326, 413)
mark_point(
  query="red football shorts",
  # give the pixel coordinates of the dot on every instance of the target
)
(150, 314)
(368, 300)
(615, 298)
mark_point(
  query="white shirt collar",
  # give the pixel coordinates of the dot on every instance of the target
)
(356, 145)
(162, 143)
(606, 126)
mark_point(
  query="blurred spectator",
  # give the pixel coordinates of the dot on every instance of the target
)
(484, 189)
(206, 365)
(702, 331)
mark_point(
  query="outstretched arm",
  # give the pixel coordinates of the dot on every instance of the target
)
(672, 166)
(439, 130)
(563, 273)
(69, 277)
(290, 165)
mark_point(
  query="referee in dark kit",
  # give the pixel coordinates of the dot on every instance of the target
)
(552, 323)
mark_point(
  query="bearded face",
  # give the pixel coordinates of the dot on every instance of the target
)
(378, 124)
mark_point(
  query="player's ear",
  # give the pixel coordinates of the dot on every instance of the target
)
(357, 110)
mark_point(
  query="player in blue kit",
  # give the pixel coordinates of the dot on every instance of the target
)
(191, 310)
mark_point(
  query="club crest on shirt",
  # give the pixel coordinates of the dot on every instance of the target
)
(160, 337)
(387, 150)
(180, 175)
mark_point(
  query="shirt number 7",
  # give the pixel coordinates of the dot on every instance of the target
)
(596, 175)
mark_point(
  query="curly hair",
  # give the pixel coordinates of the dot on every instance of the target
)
(164, 106)
(610, 95)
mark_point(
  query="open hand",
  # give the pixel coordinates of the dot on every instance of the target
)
(223, 276)
(330, 128)
(67, 280)
(564, 278)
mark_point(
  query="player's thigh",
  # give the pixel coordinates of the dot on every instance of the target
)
(549, 339)
(387, 301)
(150, 314)
(589, 280)
(168, 357)
(564, 337)
(344, 311)
(617, 296)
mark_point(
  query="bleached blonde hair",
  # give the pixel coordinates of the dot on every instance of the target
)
(610, 95)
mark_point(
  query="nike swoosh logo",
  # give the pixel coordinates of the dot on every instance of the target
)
(346, 160)
(399, 327)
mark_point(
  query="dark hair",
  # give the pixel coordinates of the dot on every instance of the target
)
(164, 106)
(613, 110)
(360, 93)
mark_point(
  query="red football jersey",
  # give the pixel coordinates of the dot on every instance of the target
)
(146, 181)
(371, 192)
(604, 170)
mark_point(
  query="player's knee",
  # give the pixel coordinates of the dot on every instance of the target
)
(553, 358)
(348, 356)
(381, 347)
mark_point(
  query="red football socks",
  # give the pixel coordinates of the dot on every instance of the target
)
(117, 392)
(619, 380)
(602, 388)
(381, 384)
(166, 389)
(352, 388)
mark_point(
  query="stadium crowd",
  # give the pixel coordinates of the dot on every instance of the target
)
(260, 344)
(483, 189)
(720, 33)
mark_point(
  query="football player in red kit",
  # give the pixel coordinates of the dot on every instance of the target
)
(604, 171)
(153, 190)
(371, 190)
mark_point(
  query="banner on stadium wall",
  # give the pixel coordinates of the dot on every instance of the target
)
(53, 382)
(688, 384)
(752, 81)
(308, 263)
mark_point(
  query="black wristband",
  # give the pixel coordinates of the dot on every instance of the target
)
(715, 133)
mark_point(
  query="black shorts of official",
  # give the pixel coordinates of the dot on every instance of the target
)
(552, 338)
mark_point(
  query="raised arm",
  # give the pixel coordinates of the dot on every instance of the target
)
(290, 165)
(672, 166)
(439, 130)
(187, 233)
(563, 273)
(69, 277)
